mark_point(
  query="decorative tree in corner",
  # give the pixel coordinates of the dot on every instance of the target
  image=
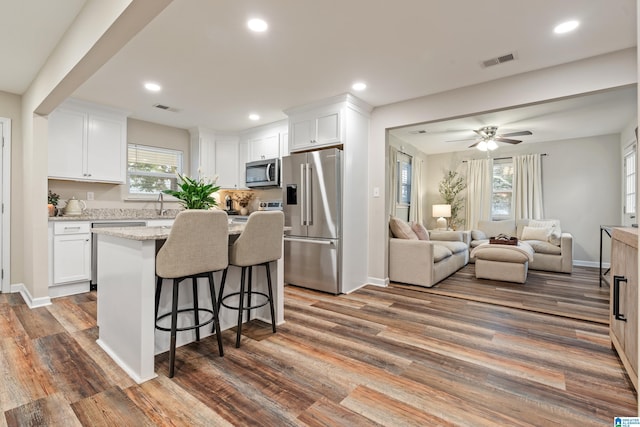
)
(450, 187)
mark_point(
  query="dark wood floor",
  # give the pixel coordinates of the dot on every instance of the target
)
(380, 356)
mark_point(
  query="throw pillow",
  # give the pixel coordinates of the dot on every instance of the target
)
(536, 233)
(420, 231)
(554, 225)
(478, 235)
(401, 229)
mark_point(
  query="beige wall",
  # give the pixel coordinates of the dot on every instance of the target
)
(99, 31)
(580, 180)
(114, 195)
(10, 107)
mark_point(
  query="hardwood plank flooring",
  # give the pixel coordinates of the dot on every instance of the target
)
(396, 356)
(576, 295)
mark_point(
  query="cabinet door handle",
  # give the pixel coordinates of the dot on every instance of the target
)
(72, 228)
(616, 297)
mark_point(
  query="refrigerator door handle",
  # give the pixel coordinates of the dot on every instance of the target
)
(307, 202)
(318, 242)
(302, 195)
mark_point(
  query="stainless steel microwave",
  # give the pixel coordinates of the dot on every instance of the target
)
(263, 173)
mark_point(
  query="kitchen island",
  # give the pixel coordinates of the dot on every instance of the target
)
(126, 297)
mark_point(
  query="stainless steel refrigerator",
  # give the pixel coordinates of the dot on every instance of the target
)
(312, 204)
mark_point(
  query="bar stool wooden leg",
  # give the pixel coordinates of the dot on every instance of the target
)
(273, 316)
(174, 323)
(216, 319)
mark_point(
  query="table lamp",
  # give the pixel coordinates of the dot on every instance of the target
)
(442, 212)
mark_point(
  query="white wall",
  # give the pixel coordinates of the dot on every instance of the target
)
(580, 180)
(598, 73)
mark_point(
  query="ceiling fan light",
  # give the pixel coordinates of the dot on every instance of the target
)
(482, 146)
(491, 145)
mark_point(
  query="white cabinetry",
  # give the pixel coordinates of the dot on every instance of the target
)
(320, 128)
(87, 143)
(267, 147)
(214, 155)
(342, 120)
(70, 257)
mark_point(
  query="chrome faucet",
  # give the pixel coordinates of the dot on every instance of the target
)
(162, 211)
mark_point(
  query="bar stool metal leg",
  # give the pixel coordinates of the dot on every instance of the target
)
(158, 289)
(174, 323)
(196, 317)
(273, 315)
(224, 279)
(216, 321)
(240, 306)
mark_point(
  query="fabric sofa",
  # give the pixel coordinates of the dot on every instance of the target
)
(427, 257)
(553, 249)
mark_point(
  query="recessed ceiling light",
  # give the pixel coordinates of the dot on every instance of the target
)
(254, 117)
(359, 86)
(257, 25)
(153, 87)
(565, 27)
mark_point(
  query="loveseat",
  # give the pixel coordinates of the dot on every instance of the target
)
(553, 249)
(424, 258)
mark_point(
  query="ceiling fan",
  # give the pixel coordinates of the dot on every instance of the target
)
(488, 138)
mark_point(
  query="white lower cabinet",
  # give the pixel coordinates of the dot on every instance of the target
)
(70, 253)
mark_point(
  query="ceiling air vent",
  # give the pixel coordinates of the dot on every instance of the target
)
(499, 60)
(166, 107)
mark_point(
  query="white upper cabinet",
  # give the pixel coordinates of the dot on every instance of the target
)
(267, 147)
(313, 129)
(87, 143)
(215, 155)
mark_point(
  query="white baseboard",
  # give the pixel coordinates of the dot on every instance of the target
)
(595, 264)
(377, 281)
(28, 299)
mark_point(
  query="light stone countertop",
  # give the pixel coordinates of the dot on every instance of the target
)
(117, 214)
(151, 233)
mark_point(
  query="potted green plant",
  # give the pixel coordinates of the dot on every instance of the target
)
(195, 193)
(450, 187)
(52, 205)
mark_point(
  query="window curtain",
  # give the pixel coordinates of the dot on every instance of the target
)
(479, 191)
(527, 187)
(415, 211)
(393, 176)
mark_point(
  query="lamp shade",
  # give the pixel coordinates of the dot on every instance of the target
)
(441, 211)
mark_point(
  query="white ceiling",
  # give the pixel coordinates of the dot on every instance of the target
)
(214, 72)
(602, 113)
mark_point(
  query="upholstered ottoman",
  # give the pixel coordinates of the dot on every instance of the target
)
(509, 263)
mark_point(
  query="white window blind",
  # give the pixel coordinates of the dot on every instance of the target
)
(151, 169)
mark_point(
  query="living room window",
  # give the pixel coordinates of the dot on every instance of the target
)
(403, 203)
(151, 169)
(502, 194)
(630, 181)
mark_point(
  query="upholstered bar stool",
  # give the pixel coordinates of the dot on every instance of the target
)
(196, 247)
(259, 244)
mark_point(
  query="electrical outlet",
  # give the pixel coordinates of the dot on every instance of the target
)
(89, 195)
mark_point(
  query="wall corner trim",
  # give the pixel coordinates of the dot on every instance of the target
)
(28, 299)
